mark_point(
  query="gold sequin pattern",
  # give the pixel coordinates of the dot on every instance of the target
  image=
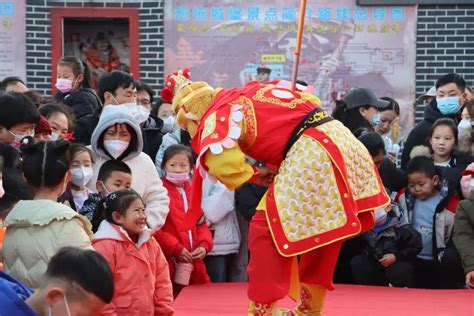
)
(360, 170)
(306, 193)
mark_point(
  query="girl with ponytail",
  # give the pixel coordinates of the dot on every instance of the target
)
(124, 239)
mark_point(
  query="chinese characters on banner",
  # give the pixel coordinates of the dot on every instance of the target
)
(12, 39)
(344, 45)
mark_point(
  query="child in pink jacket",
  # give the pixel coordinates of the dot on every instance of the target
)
(141, 273)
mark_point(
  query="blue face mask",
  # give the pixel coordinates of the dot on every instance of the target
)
(375, 119)
(448, 105)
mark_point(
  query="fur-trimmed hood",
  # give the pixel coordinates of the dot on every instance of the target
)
(111, 231)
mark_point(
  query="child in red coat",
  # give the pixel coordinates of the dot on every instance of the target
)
(182, 248)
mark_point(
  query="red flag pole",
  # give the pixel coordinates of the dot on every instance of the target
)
(299, 38)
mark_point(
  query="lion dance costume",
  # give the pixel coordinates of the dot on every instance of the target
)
(325, 190)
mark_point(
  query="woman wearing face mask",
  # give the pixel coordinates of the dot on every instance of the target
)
(74, 86)
(82, 172)
(360, 109)
(466, 131)
(37, 229)
(173, 134)
(118, 136)
(58, 119)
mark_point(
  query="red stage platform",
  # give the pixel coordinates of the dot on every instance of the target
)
(346, 300)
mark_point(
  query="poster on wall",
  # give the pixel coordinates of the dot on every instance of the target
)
(344, 45)
(102, 43)
(12, 39)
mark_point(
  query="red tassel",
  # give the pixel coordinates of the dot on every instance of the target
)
(195, 210)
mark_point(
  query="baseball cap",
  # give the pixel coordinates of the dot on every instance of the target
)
(430, 93)
(357, 97)
(264, 70)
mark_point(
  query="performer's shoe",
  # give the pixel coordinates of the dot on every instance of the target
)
(312, 300)
(261, 309)
(270, 309)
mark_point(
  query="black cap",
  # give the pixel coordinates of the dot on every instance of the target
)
(357, 97)
(263, 70)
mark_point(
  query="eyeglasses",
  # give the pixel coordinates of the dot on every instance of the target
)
(145, 102)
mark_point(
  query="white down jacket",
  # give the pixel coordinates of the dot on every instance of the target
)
(218, 204)
(36, 230)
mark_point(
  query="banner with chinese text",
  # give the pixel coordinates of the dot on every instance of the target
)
(12, 39)
(344, 45)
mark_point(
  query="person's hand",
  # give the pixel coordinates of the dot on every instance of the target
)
(198, 253)
(185, 256)
(470, 279)
(392, 156)
(387, 260)
(264, 177)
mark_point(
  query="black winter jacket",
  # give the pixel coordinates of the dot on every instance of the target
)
(85, 126)
(82, 102)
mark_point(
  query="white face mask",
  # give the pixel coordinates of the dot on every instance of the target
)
(140, 113)
(82, 175)
(68, 311)
(54, 136)
(169, 124)
(116, 147)
(464, 125)
(19, 137)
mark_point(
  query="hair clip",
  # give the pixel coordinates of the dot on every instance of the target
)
(112, 196)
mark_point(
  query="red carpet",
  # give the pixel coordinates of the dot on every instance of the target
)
(346, 300)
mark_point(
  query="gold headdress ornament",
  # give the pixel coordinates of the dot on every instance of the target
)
(189, 99)
(174, 82)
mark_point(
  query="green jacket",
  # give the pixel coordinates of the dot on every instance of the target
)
(464, 232)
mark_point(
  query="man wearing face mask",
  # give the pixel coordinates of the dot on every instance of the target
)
(76, 282)
(450, 96)
(153, 127)
(115, 88)
(18, 117)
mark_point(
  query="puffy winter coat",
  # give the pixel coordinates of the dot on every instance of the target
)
(173, 239)
(218, 204)
(464, 232)
(82, 102)
(152, 135)
(443, 220)
(36, 230)
(141, 275)
(145, 178)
